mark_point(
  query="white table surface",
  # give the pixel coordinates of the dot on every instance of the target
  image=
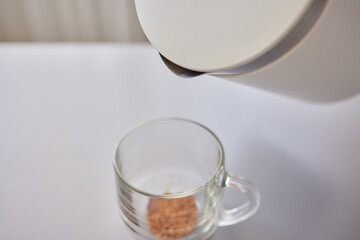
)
(64, 107)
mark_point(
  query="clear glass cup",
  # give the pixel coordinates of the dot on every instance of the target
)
(170, 177)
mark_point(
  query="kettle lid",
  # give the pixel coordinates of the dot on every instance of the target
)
(215, 35)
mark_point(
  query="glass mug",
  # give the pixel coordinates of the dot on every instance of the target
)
(170, 178)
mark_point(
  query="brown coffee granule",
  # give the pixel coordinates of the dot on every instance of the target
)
(172, 218)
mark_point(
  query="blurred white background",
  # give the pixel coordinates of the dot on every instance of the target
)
(69, 20)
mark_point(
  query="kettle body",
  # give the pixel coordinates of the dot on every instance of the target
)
(305, 49)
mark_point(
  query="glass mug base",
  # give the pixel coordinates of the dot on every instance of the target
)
(203, 236)
(170, 177)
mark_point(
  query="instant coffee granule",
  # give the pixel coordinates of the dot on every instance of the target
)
(172, 218)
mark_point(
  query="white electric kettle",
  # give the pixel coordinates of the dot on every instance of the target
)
(309, 49)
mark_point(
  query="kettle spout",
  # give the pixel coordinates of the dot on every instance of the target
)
(180, 71)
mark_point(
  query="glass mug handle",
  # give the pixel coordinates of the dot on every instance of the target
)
(246, 210)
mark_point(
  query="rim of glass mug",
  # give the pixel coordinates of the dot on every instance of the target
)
(220, 165)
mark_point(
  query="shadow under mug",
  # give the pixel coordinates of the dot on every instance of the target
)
(170, 177)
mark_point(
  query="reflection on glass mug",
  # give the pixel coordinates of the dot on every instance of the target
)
(170, 177)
